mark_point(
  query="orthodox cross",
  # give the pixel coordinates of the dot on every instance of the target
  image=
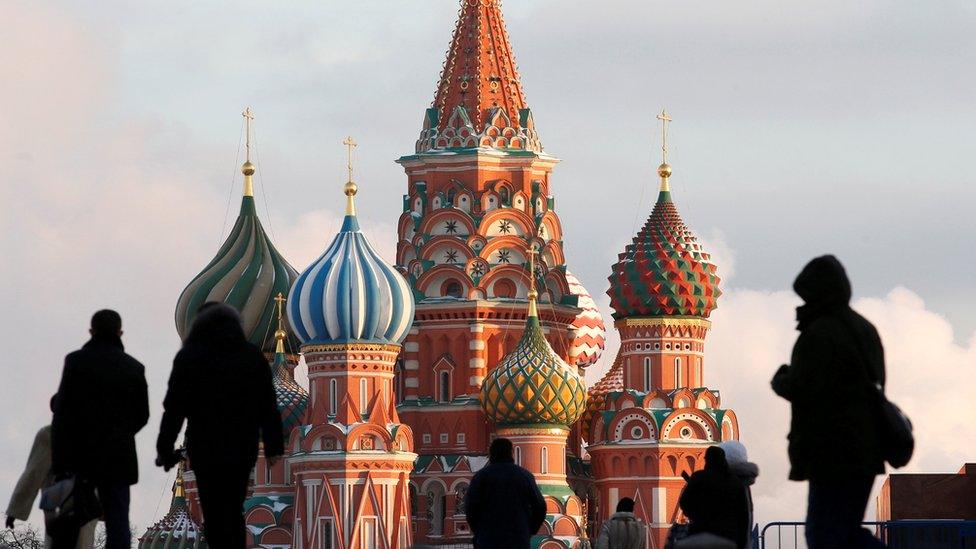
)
(664, 118)
(248, 116)
(280, 300)
(350, 143)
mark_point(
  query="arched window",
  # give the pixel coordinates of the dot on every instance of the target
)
(445, 387)
(545, 460)
(647, 373)
(460, 493)
(504, 289)
(518, 455)
(333, 396)
(451, 194)
(267, 472)
(698, 373)
(503, 192)
(363, 396)
(678, 382)
(453, 288)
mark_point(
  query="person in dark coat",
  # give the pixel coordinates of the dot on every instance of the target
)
(836, 360)
(714, 500)
(101, 404)
(221, 386)
(504, 506)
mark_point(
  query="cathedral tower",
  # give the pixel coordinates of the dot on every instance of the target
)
(533, 397)
(651, 417)
(350, 463)
(478, 195)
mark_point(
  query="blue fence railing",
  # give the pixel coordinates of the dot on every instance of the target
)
(896, 534)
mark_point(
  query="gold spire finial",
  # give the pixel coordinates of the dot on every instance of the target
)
(280, 334)
(533, 295)
(351, 188)
(664, 170)
(248, 169)
(178, 490)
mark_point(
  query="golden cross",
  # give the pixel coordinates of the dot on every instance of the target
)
(248, 116)
(664, 118)
(350, 143)
(280, 300)
(532, 253)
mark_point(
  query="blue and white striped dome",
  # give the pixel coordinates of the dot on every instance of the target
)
(350, 294)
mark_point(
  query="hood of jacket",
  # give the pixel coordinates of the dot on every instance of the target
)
(747, 471)
(824, 287)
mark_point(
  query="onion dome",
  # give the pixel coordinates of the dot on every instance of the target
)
(292, 398)
(596, 395)
(350, 294)
(247, 273)
(532, 384)
(591, 333)
(177, 530)
(664, 271)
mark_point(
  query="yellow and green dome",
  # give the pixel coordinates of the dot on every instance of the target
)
(532, 385)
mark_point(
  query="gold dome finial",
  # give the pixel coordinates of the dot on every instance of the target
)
(178, 490)
(533, 295)
(248, 169)
(664, 170)
(280, 333)
(350, 188)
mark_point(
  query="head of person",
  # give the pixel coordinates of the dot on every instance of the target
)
(823, 282)
(501, 451)
(625, 505)
(715, 460)
(106, 324)
(216, 324)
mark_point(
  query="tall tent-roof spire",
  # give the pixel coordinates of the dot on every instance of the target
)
(479, 100)
(480, 70)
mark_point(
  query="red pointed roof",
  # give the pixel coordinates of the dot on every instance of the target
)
(479, 100)
(480, 71)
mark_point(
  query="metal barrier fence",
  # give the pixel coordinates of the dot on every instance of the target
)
(896, 534)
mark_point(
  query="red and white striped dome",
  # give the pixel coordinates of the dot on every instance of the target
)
(591, 333)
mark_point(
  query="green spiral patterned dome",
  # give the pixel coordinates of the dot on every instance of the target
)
(533, 385)
(247, 274)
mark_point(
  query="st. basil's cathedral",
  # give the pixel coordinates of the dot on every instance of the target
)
(479, 330)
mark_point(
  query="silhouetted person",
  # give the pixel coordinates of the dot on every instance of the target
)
(37, 475)
(221, 386)
(836, 359)
(714, 500)
(746, 471)
(623, 530)
(101, 404)
(504, 505)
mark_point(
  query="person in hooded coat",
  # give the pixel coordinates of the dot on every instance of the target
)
(746, 471)
(504, 506)
(836, 362)
(221, 386)
(101, 403)
(623, 530)
(714, 500)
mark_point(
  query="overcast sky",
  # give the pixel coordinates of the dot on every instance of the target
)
(799, 128)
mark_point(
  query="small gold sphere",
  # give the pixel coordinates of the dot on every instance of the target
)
(533, 294)
(247, 168)
(351, 189)
(664, 170)
(280, 334)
